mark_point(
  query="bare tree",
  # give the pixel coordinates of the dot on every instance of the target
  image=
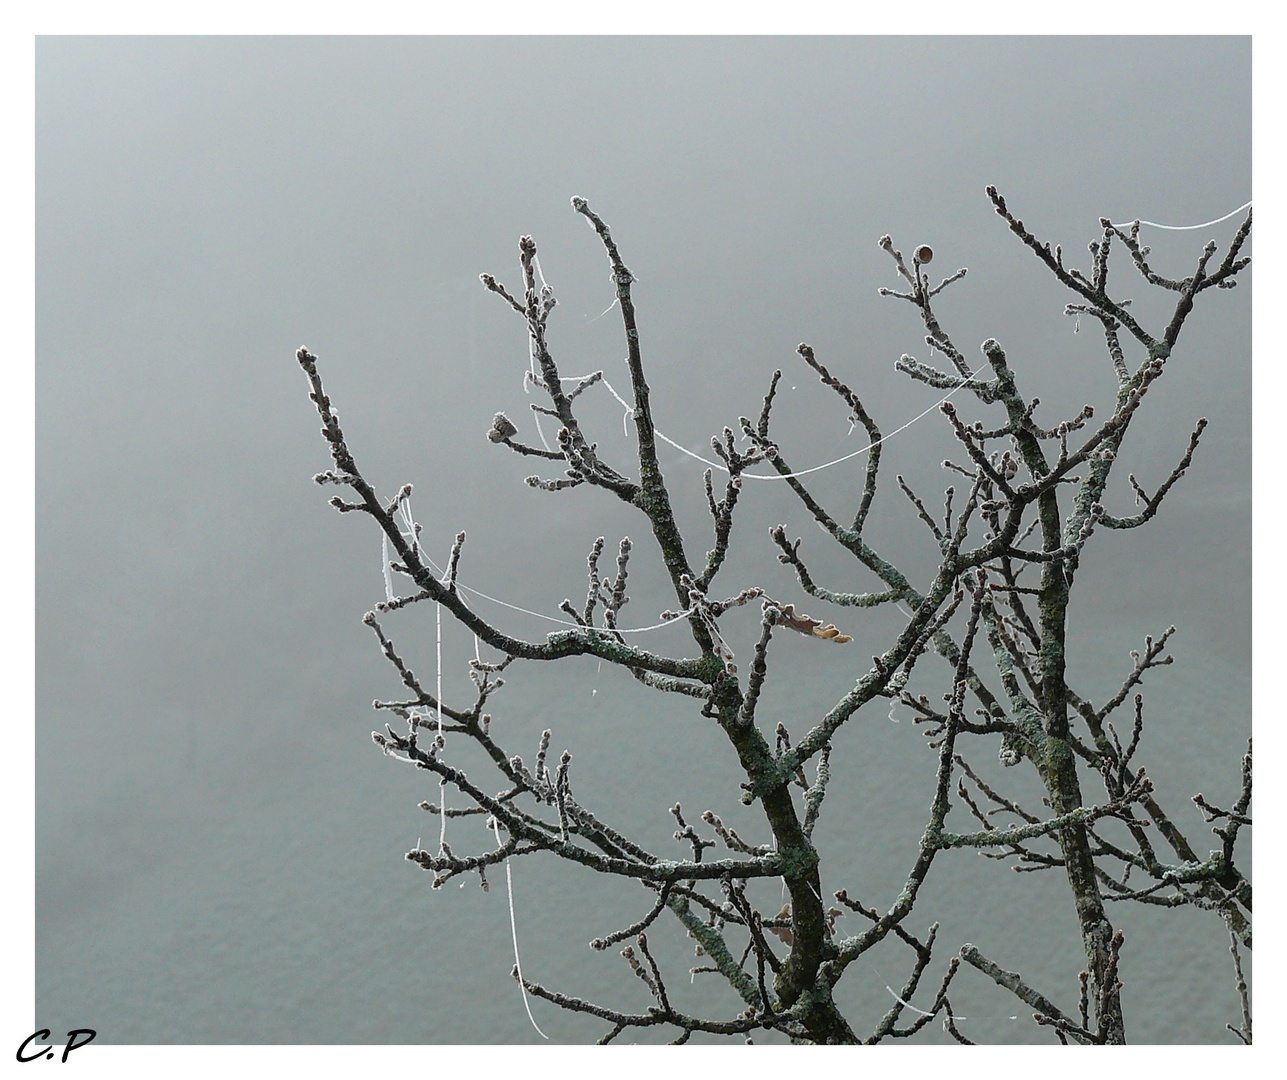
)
(1009, 543)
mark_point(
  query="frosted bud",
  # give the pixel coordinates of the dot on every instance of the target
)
(502, 428)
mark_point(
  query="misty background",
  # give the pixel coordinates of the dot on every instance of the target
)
(219, 845)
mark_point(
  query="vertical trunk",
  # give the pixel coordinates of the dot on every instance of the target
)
(1060, 773)
(810, 945)
(1059, 769)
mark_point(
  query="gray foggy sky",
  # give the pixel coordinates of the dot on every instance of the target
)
(219, 847)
